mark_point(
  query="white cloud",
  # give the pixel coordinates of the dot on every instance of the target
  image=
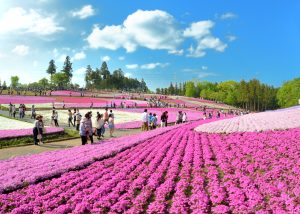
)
(128, 75)
(62, 58)
(79, 56)
(21, 50)
(85, 12)
(204, 67)
(154, 29)
(201, 32)
(132, 66)
(121, 58)
(105, 59)
(176, 52)
(55, 52)
(231, 38)
(199, 29)
(154, 65)
(202, 74)
(80, 71)
(19, 20)
(228, 15)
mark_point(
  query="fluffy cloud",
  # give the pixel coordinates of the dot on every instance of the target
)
(201, 32)
(121, 58)
(199, 29)
(79, 56)
(85, 12)
(228, 15)
(176, 52)
(105, 59)
(128, 75)
(61, 58)
(154, 65)
(80, 71)
(21, 50)
(132, 66)
(19, 20)
(154, 29)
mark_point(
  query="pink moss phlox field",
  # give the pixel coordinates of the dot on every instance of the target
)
(6, 99)
(270, 120)
(65, 93)
(26, 132)
(177, 171)
(18, 171)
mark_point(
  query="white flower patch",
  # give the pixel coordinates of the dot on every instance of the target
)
(10, 124)
(120, 116)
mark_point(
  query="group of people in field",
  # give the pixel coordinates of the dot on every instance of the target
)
(150, 121)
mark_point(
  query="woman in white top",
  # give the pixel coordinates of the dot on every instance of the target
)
(184, 117)
(99, 126)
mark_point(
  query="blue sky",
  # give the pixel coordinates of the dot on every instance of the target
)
(160, 41)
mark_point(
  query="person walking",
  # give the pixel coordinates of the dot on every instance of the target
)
(14, 111)
(89, 126)
(111, 125)
(33, 112)
(163, 119)
(105, 116)
(38, 130)
(153, 121)
(70, 118)
(55, 118)
(167, 117)
(145, 120)
(20, 111)
(74, 116)
(78, 119)
(99, 125)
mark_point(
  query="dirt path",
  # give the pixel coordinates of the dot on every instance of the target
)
(7, 153)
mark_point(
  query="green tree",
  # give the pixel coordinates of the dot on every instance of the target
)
(14, 81)
(4, 86)
(190, 90)
(51, 68)
(60, 80)
(44, 83)
(67, 70)
(289, 94)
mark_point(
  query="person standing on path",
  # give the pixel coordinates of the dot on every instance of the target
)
(55, 118)
(38, 130)
(78, 119)
(145, 120)
(163, 119)
(33, 113)
(14, 111)
(184, 118)
(89, 126)
(10, 110)
(111, 125)
(70, 118)
(167, 116)
(105, 116)
(74, 116)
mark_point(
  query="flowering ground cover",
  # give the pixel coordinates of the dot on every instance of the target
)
(65, 93)
(6, 99)
(19, 171)
(270, 120)
(4, 134)
(10, 128)
(179, 171)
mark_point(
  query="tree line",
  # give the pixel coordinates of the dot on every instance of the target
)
(103, 79)
(94, 79)
(251, 95)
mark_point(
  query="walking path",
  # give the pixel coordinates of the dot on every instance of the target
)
(11, 152)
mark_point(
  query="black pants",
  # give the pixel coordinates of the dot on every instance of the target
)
(71, 121)
(56, 122)
(85, 138)
(77, 127)
(74, 121)
(37, 131)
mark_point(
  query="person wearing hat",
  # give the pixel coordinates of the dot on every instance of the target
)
(38, 130)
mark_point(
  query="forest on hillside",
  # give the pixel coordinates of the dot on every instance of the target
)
(252, 95)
